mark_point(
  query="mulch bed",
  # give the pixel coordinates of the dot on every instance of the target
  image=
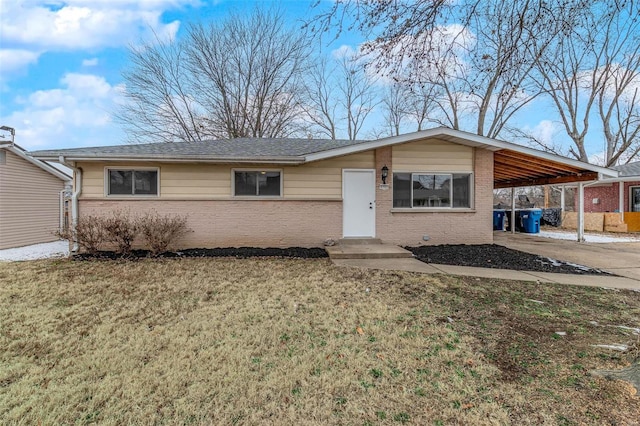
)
(498, 257)
(238, 252)
(483, 255)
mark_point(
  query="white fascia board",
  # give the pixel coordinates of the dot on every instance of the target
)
(621, 179)
(39, 163)
(463, 138)
(165, 159)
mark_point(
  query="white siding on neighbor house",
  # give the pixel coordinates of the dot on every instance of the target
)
(432, 156)
(188, 181)
(29, 203)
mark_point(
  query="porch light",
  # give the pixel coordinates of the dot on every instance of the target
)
(385, 173)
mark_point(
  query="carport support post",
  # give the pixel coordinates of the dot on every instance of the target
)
(512, 219)
(580, 212)
(561, 199)
(621, 199)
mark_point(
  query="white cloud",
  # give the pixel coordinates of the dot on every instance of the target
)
(90, 62)
(546, 131)
(38, 26)
(15, 60)
(344, 52)
(54, 118)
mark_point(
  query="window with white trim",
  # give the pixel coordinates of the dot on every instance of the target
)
(634, 198)
(132, 182)
(432, 190)
(257, 183)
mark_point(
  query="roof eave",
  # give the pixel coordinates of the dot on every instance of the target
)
(173, 159)
(465, 138)
(15, 149)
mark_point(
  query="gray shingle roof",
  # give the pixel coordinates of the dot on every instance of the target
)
(241, 148)
(630, 169)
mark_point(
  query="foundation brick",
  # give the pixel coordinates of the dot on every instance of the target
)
(242, 223)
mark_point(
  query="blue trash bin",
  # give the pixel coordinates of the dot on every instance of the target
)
(498, 219)
(531, 220)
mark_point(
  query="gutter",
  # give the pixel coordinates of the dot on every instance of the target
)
(77, 174)
(217, 160)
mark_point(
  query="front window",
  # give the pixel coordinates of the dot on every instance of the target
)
(133, 182)
(435, 190)
(257, 183)
(634, 199)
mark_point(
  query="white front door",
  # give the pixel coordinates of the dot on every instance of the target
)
(359, 203)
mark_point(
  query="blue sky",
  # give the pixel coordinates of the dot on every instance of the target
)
(61, 63)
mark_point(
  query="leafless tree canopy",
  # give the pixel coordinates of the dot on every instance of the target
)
(594, 68)
(478, 63)
(340, 97)
(239, 78)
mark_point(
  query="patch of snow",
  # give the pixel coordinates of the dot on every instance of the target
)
(633, 330)
(589, 238)
(36, 251)
(620, 348)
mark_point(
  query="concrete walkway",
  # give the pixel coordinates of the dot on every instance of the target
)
(618, 258)
(414, 265)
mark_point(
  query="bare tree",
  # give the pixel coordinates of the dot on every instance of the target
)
(355, 89)
(321, 104)
(238, 78)
(159, 103)
(340, 96)
(592, 72)
(476, 54)
(395, 107)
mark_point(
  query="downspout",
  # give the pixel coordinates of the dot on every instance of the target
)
(77, 175)
(61, 210)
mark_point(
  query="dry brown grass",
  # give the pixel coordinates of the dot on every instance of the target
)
(226, 341)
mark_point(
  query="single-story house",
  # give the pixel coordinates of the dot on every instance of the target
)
(621, 194)
(432, 186)
(31, 198)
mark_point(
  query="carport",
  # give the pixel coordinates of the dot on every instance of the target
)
(520, 168)
(517, 166)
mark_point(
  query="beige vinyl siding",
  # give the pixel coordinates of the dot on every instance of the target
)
(29, 203)
(323, 179)
(317, 180)
(432, 156)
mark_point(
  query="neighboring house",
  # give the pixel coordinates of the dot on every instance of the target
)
(31, 202)
(621, 194)
(300, 192)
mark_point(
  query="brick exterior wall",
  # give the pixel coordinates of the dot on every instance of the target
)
(608, 196)
(287, 223)
(241, 223)
(408, 228)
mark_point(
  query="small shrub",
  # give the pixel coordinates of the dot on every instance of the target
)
(120, 230)
(88, 233)
(160, 232)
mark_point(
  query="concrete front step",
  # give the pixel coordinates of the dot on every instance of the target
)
(367, 251)
(359, 241)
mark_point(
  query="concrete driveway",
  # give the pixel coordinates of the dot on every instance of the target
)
(619, 258)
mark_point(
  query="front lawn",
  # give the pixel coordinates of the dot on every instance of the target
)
(289, 341)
